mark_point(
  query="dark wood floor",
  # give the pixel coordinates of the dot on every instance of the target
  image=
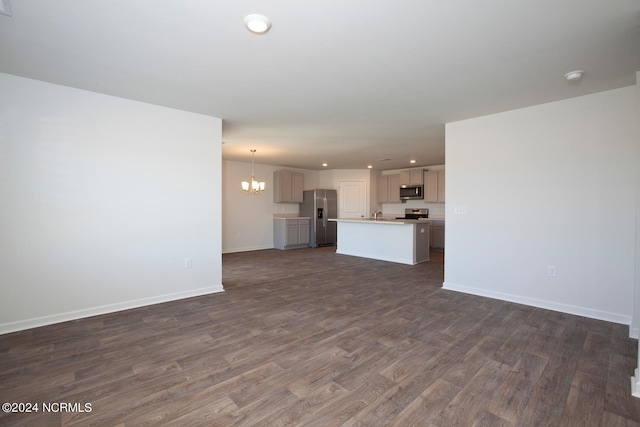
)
(309, 337)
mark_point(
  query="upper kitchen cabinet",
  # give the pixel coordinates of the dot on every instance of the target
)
(434, 186)
(383, 189)
(287, 186)
(411, 177)
(389, 188)
(394, 188)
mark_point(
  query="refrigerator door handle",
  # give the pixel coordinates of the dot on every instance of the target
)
(326, 209)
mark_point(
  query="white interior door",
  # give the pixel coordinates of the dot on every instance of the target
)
(352, 199)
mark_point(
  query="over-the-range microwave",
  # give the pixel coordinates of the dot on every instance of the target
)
(412, 192)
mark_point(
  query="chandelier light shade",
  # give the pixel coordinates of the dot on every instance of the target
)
(254, 186)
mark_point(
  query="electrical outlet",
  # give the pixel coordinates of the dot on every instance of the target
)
(552, 271)
(187, 263)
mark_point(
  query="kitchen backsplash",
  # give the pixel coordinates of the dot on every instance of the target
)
(436, 210)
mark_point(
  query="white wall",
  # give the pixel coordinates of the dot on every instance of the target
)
(329, 179)
(101, 200)
(634, 328)
(248, 219)
(635, 324)
(552, 184)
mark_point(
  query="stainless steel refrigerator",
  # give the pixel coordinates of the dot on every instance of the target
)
(320, 205)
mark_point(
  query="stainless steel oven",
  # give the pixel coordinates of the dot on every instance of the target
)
(410, 213)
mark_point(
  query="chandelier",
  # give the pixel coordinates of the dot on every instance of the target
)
(253, 187)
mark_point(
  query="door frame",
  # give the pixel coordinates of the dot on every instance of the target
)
(363, 185)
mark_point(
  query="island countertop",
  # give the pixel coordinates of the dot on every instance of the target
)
(405, 241)
(387, 221)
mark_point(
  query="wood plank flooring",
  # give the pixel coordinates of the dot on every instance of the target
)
(312, 338)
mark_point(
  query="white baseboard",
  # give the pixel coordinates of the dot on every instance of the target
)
(245, 249)
(104, 309)
(634, 384)
(549, 305)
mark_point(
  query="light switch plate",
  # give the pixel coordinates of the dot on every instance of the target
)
(460, 210)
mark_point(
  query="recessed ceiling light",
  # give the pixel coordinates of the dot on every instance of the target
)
(412, 161)
(572, 76)
(325, 165)
(370, 166)
(257, 24)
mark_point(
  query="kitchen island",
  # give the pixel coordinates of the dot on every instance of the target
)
(404, 241)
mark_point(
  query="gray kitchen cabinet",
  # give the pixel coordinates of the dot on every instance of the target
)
(389, 188)
(434, 187)
(287, 186)
(411, 177)
(437, 235)
(383, 189)
(394, 188)
(422, 240)
(290, 233)
(441, 186)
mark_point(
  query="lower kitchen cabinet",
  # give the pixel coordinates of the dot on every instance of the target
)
(422, 242)
(290, 233)
(437, 235)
